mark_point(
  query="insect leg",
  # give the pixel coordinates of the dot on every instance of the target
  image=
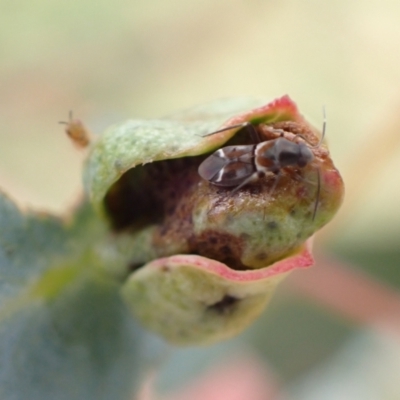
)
(251, 129)
(245, 182)
(227, 128)
(318, 193)
(277, 175)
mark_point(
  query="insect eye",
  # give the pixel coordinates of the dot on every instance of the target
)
(305, 156)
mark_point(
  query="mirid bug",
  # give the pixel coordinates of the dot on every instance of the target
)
(77, 132)
(237, 166)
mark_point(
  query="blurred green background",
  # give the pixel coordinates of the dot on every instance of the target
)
(109, 61)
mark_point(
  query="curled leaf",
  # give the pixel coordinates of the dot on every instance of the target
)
(142, 176)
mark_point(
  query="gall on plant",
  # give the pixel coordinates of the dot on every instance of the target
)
(201, 252)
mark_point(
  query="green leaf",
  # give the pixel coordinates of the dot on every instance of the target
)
(64, 331)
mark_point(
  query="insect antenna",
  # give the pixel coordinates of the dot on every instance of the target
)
(70, 116)
(315, 146)
(323, 126)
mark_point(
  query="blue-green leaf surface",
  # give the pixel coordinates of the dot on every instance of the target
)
(64, 332)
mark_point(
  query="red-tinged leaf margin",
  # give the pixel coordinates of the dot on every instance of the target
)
(280, 109)
(302, 259)
(193, 300)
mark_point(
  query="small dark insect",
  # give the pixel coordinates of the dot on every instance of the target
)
(237, 166)
(77, 132)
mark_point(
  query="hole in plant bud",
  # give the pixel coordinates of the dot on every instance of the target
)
(134, 266)
(128, 204)
(224, 306)
(261, 256)
(147, 194)
(272, 225)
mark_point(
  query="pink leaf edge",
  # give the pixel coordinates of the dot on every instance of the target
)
(302, 259)
(282, 108)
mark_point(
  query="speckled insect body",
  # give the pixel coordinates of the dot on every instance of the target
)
(237, 166)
